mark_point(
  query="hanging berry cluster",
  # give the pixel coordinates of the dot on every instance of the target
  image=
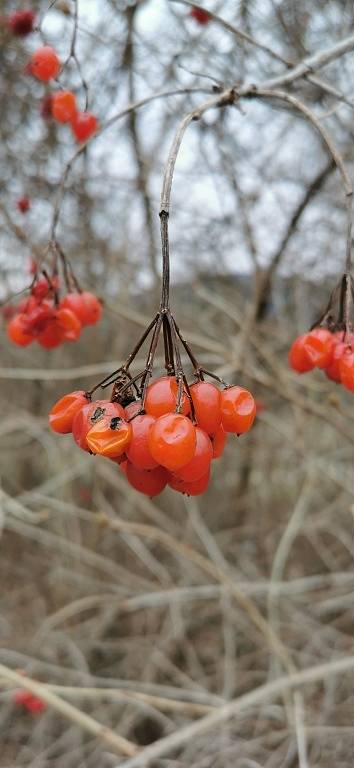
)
(56, 309)
(329, 344)
(45, 65)
(166, 432)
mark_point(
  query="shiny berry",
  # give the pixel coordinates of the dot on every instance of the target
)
(149, 482)
(84, 125)
(238, 410)
(298, 359)
(64, 106)
(318, 346)
(138, 452)
(92, 308)
(69, 324)
(206, 399)
(199, 465)
(172, 441)
(63, 412)
(89, 415)
(161, 397)
(332, 370)
(109, 436)
(44, 63)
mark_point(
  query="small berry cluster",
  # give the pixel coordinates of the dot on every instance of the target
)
(322, 349)
(51, 321)
(158, 442)
(45, 65)
(30, 702)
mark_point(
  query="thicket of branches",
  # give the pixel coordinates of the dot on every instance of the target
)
(182, 632)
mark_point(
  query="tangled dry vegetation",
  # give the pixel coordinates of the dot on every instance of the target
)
(183, 632)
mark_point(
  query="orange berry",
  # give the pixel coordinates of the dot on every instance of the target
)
(161, 397)
(298, 359)
(89, 415)
(218, 442)
(172, 441)
(63, 412)
(84, 125)
(206, 399)
(346, 369)
(238, 410)
(109, 436)
(199, 465)
(63, 106)
(69, 324)
(44, 63)
(17, 331)
(318, 346)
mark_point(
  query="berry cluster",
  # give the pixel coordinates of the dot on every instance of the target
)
(322, 349)
(45, 65)
(159, 443)
(48, 319)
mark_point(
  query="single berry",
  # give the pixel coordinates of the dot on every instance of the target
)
(318, 346)
(84, 125)
(149, 482)
(32, 703)
(138, 451)
(200, 16)
(298, 359)
(199, 465)
(172, 441)
(332, 370)
(132, 409)
(63, 412)
(69, 324)
(21, 23)
(92, 308)
(89, 415)
(44, 63)
(63, 106)
(191, 488)
(23, 204)
(41, 288)
(161, 397)
(17, 331)
(206, 399)
(109, 436)
(52, 336)
(238, 410)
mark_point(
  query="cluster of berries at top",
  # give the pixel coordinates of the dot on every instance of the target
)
(45, 65)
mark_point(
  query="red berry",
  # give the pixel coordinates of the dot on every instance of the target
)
(52, 336)
(238, 410)
(23, 204)
(92, 308)
(218, 442)
(44, 63)
(200, 15)
(318, 346)
(332, 370)
(84, 125)
(63, 412)
(41, 288)
(109, 436)
(161, 397)
(64, 106)
(192, 488)
(132, 409)
(69, 324)
(21, 23)
(346, 369)
(199, 465)
(17, 331)
(39, 317)
(30, 702)
(150, 482)
(138, 451)
(298, 359)
(89, 415)
(206, 399)
(172, 441)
